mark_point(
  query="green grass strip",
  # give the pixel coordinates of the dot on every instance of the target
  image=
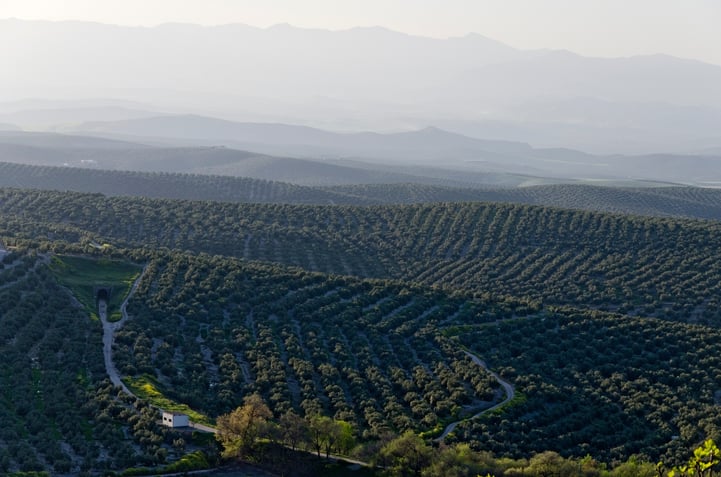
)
(80, 275)
(148, 389)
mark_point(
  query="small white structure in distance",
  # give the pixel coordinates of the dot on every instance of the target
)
(175, 419)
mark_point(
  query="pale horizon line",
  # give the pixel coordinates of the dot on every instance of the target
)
(359, 27)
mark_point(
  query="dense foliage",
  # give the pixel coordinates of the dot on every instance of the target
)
(57, 410)
(690, 202)
(660, 267)
(211, 330)
(604, 384)
(652, 201)
(165, 185)
(528, 289)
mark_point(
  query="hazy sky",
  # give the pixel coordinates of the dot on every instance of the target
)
(687, 28)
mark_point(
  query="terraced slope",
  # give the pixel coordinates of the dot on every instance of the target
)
(659, 267)
(165, 185)
(211, 330)
(386, 357)
(57, 412)
(688, 202)
(606, 384)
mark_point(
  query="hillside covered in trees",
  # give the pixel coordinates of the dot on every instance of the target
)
(59, 412)
(651, 266)
(388, 358)
(606, 325)
(668, 201)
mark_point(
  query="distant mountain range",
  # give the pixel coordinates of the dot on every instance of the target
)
(359, 79)
(425, 144)
(110, 154)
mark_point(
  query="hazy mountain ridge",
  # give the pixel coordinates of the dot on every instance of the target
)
(64, 141)
(286, 137)
(300, 52)
(291, 154)
(370, 78)
(381, 232)
(426, 146)
(213, 160)
(562, 74)
(62, 118)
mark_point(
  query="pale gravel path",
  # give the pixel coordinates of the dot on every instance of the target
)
(109, 329)
(507, 387)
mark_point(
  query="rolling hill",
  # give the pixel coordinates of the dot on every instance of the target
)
(429, 146)
(639, 265)
(374, 335)
(650, 201)
(436, 257)
(166, 185)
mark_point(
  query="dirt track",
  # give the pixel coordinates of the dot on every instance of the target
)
(109, 329)
(507, 387)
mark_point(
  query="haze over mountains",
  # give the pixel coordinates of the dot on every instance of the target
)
(308, 156)
(362, 79)
(416, 252)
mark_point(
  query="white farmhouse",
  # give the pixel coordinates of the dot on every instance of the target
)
(175, 419)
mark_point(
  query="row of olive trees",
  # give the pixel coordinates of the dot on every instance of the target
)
(644, 265)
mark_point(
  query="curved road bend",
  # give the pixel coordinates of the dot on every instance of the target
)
(109, 334)
(109, 329)
(507, 387)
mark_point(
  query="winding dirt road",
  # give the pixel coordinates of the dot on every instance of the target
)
(109, 329)
(507, 387)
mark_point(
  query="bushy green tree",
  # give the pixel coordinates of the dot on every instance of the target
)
(239, 431)
(705, 462)
(406, 455)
